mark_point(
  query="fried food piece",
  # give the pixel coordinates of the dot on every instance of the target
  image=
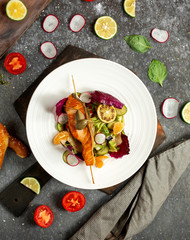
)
(4, 139)
(20, 149)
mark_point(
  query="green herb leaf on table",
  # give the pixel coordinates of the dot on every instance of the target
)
(3, 82)
(138, 43)
(157, 72)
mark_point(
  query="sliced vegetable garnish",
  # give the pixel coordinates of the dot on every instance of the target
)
(65, 154)
(50, 23)
(72, 160)
(122, 111)
(48, 49)
(43, 216)
(73, 201)
(160, 36)
(123, 148)
(15, 63)
(31, 183)
(106, 113)
(59, 106)
(105, 98)
(170, 107)
(100, 138)
(62, 118)
(60, 127)
(77, 23)
(185, 113)
(85, 97)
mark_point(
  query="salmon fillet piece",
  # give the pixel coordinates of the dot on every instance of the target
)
(84, 136)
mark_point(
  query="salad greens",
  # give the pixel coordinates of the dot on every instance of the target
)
(157, 72)
(138, 43)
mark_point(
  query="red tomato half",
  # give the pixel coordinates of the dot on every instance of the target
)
(43, 216)
(15, 63)
(73, 201)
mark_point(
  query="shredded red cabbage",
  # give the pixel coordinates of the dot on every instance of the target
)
(123, 148)
(59, 106)
(106, 98)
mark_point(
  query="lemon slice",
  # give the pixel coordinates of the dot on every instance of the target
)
(106, 113)
(129, 7)
(31, 183)
(105, 27)
(185, 113)
(16, 10)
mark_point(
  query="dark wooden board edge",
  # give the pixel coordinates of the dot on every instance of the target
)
(34, 17)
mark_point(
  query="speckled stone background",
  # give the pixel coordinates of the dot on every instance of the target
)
(172, 221)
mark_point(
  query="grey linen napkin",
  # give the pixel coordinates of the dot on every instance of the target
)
(136, 205)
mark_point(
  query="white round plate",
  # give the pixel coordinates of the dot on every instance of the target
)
(91, 74)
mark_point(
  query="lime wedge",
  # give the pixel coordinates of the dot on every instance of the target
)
(31, 183)
(185, 113)
(105, 27)
(16, 10)
(129, 7)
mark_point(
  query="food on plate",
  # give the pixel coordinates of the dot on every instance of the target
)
(31, 183)
(15, 63)
(19, 147)
(77, 23)
(160, 36)
(15, 144)
(129, 7)
(16, 10)
(138, 43)
(105, 27)
(50, 23)
(170, 107)
(43, 216)
(157, 72)
(4, 140)
(185, 113)
(93, 130)
(73, 201)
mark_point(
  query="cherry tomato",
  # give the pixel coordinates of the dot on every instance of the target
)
(43, 216)
(73, 201)
(15, 63)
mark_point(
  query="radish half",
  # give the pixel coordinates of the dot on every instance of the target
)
(48, 49)
(160, 36)
(72, 160)
(62, 118)
(77, 23)
(50, 23)
(100, 138)
(85, 97)
(170, 107)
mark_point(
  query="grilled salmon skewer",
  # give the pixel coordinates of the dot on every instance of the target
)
(84, 135)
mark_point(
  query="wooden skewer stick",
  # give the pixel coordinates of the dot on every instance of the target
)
(89, 130)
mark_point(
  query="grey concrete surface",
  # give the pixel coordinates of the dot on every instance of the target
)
(172, 221)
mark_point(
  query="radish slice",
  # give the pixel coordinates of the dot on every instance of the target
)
(77, 23)
(100, 138)
(50, 23)
(72, 160)
(170, 107)
(85, 97)
(62, 118)
(160, 36)
(48, 49)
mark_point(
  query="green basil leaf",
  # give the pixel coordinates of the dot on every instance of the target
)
(157, 72)
(138, 43)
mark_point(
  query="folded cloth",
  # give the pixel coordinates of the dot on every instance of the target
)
(136, 205)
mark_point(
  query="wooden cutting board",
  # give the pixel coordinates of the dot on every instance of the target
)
(11, 31)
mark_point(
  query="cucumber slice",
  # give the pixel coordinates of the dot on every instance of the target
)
(121, 111)
(60, 127)
(103, 151)
(110, 125)
(65, 154)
